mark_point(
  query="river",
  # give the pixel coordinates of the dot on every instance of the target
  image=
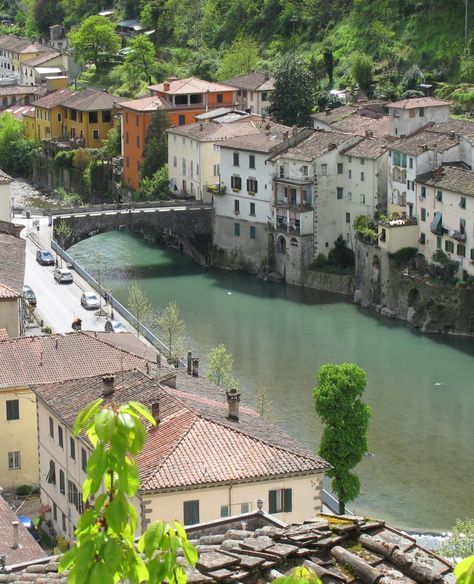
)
(420, 470)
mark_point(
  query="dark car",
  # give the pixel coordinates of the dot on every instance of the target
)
(44, 257)
(29, 295)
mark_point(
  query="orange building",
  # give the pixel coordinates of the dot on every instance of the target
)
(183, 100)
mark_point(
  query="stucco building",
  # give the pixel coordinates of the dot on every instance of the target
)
(409, 115)
(12, 274)
(253, 91)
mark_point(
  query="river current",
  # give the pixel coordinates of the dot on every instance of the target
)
(419, 472)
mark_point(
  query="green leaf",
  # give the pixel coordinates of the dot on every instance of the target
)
(190, 552)
(116, 513)
(464, 571)
(96, 466)
(151, 539)
(100, 500)
(67, 560)
(104, 424)
(102, 573)
(85, 415)
(143, 411)
(113, 555)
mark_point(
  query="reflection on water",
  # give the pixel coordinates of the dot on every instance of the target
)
(419, 473)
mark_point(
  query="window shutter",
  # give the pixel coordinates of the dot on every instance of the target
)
(248, 185)
(287, 500)
(272, 501)
(191, 512)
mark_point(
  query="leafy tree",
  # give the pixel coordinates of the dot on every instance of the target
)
(138, 304)
(340, 255)
(63, 233)
(464, 571)
(293, 99)
(156, 145)
(172, 325)
(15, 149)
(346, 419)
(264, 404)
(95, 41)
(240, 58)
(140, 62)
(111, 145)
(220, 367)
(105, 550)
(460, 543)
(362, 71)
(156, 187)
(47, 13)
(329, 63)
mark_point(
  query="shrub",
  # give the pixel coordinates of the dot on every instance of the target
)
(404, 256)
(340, 255)
(24, 490)
(362, 71)
(64, 158)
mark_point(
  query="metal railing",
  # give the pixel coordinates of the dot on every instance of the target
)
(183, 202)
(114, 303)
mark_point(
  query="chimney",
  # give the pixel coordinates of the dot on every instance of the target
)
(190, 362)
(166, 86)
(57, 343)
(201, 126)
(233, 401)
(195, 366)
(294, 130)
(155, 411)
(327, 111)
(108, 385)
(158, 359)
(285, 135)
(169, 380)
(369, 134)
(16, 542)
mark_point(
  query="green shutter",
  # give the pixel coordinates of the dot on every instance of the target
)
(272, 501)
(287, 500)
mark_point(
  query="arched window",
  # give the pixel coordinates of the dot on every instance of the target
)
(294, 242)
(281, 244)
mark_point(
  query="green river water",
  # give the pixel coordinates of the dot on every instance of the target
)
(420, 470)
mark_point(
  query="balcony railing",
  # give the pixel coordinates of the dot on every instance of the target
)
(283, 204)
(288, 228)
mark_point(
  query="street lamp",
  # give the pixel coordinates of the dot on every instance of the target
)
(294, 20)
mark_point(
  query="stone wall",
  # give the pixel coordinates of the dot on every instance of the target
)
(401, 293)
(327, 282)
(292, 255)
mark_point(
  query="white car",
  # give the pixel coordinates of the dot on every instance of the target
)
(114, 326)
(63, 276)
(90, 300)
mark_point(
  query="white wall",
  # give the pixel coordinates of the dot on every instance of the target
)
(401, 123)
(5, 207)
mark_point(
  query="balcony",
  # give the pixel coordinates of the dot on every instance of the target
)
(216, 189)
(290, 228)
(457, 235)
(293, 205)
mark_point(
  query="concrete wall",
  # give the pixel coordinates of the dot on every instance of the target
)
(402, 123)
(395, 237)
(10, 316)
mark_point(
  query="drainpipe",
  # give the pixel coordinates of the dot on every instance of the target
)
(230, 499)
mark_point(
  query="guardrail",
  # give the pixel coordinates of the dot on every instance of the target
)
(114, 303)
(330, 501)
(126, 206)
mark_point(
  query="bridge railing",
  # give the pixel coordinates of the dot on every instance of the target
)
(114, 303)
(126, 206)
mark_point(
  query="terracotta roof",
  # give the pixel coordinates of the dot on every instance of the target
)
(53, 99)
(27, 550)
(257, 547)
(127, 342)
(21, 90)
(52, 358)
(19, 111)
(316, 145)
(450, 178)
(269, 135)
(12, 263)
(21, 45)
(251, 82)
(195, 443)
(4, 334)
(6, 292)
(92, 100)
(212, 132)
(463, 127)
(191, 85)
(360, 125)
(42, 58)
(150, 103)
(417, 102)
(335, 115)
(425, 140)
(371, 148)
(5, 178)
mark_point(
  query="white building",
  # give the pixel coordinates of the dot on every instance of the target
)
(446, 215)
(35, 70)
(254, 91)
(409, 115)
(368, 119)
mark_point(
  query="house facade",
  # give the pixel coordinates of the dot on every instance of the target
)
(12, 274)
(14, 51)
(409, 115)
(253, 91)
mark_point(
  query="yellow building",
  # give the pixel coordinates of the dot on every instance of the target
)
(81, 117)
(14, 51)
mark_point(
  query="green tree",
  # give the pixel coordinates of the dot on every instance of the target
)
(15, 149)
(63, 233)
(240, 58)
(340, 255)
(460, 543)
(140, 62)
(47, 13)
(346, 419)
(111, 145)
(139, 305)
(95, 41)
(105, 550)
(292, 101)
(156, 187)
(220, 367)
(156, 145)
(172, 326)
(362, 71)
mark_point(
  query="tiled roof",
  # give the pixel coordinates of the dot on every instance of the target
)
(21, 45)
(53, 99)
(463, 127)
(54, 358)
(19, 111)
(335, 115)
(269, 135)
(195, 443)
(12, 263)
(316, 145)
(250, 82)
(6, 292)
(27, 550)
(425, 140)
(42, 58)
(92, 100)
(5, 178)
(150, 103)
(4, 334)
(451, 178)
(127, 342)
(360, 125)
(371, 148)
(190, 85)
(417, 102)
(21, 90)
(256, 547)
(212, 132)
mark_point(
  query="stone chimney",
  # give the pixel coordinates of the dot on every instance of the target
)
(233, 401)
(158, 360)
(108, 385)
(166, 86)
(369, 134)
(195, 366)
(169, 380)
(327, 111)
(155, 411)
(16, 541)
(190, 363)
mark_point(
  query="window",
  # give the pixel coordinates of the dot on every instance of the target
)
(461, 250)
(324, 169)
(422, 239)
(305, 170)
(72, 448)
(220, 98)
(362, 199)
(421, 112)
(350, 173)
(14, 460)
(362, 162)
(339, 192)
(138, 141)
(128, 162)
(83, 459)
(237, 229)
(252, 209)
(74, 116)
(423, 214)
(126, 117)
(236, 158)
(73, 496)
(279, 501)
(60, 437)
(362, 176)
(348, 217)
(462, 226)
(126, 137)
(55, 512)
(64, 524)
(93, 117)
(251, 160)
(59, 117)
(253, 232)
(439, 243)
(349, 196)
(51, 476)
(51, 427)
(62, 483)
(350, 158)
(107, 117)
(423, 192)
(236, 182)
(175, 161)
(13, 409)
(462, 202)
(95, 134)
(183, 166)
(225, 511)
(191, 512)
(410, 162)
(439, 196)
(412, 113)
(216, 170)
(236, 206)
(340, 167)
(472, 254)
(245, 507)
(252, 185)
(197, 169)
(181, 120)
(449, 246)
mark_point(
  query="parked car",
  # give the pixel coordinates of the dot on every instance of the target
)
(63, 276)
(44, 257)
(114, 326)
(29, 295)
(30, 526)
(90, 300)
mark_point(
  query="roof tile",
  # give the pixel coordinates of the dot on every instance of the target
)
(190, 85)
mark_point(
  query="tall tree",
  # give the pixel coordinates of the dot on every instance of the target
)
(220, 367)
(292, 101)
(156, 145)
(172, 326)
(140, 62)
(138, 304)
(47, 13)
(346, 419)
(95, 41)
(240, 58)
(362, 71)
